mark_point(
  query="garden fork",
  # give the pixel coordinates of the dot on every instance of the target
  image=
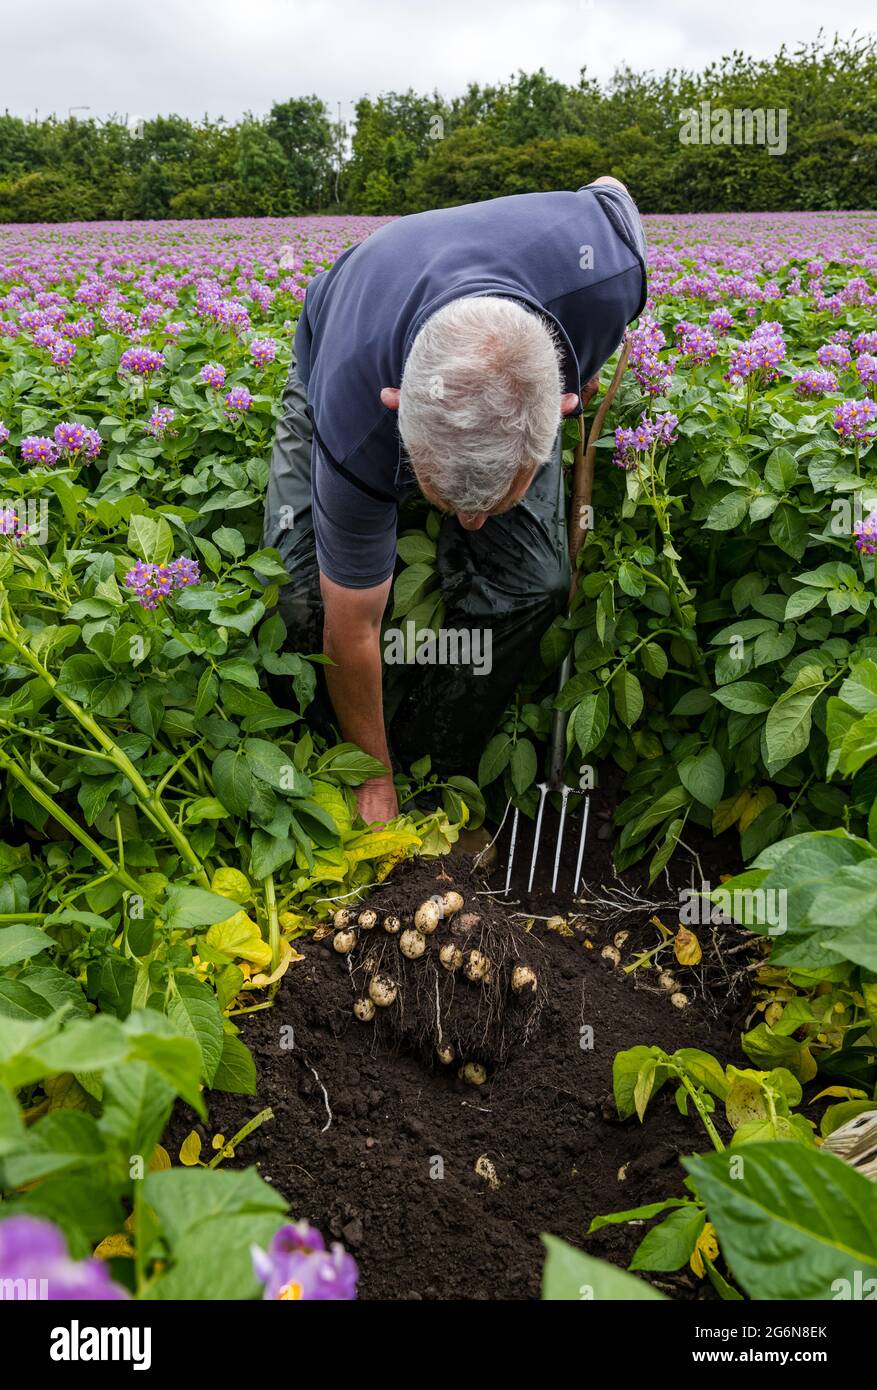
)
(580, 502)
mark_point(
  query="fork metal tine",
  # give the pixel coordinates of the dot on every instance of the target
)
(537, 834)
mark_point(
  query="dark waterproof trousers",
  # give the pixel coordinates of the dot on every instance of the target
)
(510, 579)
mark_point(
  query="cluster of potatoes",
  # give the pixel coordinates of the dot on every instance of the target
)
(414, 934)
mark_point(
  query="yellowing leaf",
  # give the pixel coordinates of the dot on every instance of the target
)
(686, 947)
(159, 1159)
(296, 921)
(758, 802)
(231, 883)
(240, 936)
(117, 1247)
(842, 1092)
(376, 844)
(190, 1153)
(728, 812)
(217, 1141)
(288, 956)
(707, 1247)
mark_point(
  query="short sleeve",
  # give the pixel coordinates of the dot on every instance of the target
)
(355, 534)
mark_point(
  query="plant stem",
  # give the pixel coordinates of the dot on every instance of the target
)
(227, 1150)
(699, 1106)
(273, 921)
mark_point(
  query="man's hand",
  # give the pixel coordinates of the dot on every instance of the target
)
(377, 801)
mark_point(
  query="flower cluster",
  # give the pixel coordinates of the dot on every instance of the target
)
(159, 420)
(833, 355)
(852, 419)
(238, 400)
(73, 439)
(213, 374)
(721, 321)
(811, 383)
(696, 343)
(866, 367)
(865, 534)
(639, 439)
(298, 1267)
(37, 448)
(760, 357)
(646, 341)
(141, 361)
(153, 583)
(14, 527)
(263, 351)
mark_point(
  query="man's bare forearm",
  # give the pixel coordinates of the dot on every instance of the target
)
(356, 691)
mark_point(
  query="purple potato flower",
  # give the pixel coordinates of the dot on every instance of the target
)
(866, 367)
(812, 383)
(160, 419)
(141, 361)
(865, 534)
(298, 1267)
(36, 448)
(238, 400)
(213, 374)
(34, 1252)
(263, 351)
(852, 420)
(153, 583)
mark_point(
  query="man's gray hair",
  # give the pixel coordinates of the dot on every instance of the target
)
(480, 400)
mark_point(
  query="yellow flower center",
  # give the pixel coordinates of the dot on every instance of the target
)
(290, 1291)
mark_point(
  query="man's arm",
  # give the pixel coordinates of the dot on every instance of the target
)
(352, 638)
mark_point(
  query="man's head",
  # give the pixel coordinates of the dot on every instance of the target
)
(480, 404)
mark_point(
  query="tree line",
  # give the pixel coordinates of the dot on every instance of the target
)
(667, 136)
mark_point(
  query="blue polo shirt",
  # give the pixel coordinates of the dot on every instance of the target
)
(576, 258)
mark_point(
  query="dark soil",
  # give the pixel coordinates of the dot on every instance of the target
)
(377, 1144)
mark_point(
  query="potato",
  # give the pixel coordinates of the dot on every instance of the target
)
(619, 938)
(344, 917)
(383, 991)
(445, 1054)
(344, 940)
(667, 980)
(412, 944)
(477, 967)
(427, 917)
(392, 924)
(368, 919)
(524, 978)
(364, 1010)
(473, 1073)
(679, 1000)
(451, 903)
(451, 956)
(611, 953)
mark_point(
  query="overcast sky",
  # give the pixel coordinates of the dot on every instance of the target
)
(225, 57)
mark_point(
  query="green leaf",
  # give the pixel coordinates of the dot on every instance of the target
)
(671, 1243)
(745, 697)
(193, 1009)
(186, 908)
(791, 1220)
(494, 759)
(416, 549)
(237, 1070)
(590, 721)
(232, 781)
(137, 1104)
(20, 941)
(151, 539)
(522, 765)
(781, 470)
(655, 660)
(787, 731)
(628, 695)
(704, 776)
(85, 679)
(571, 1276)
